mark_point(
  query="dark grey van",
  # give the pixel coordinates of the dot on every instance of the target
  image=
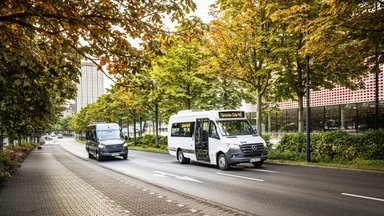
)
(105, 140)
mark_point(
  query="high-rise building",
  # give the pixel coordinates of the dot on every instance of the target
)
(91, 85)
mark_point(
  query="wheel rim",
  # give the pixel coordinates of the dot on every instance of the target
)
(222, 162)
(180, 156)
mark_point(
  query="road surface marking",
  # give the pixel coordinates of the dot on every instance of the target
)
(140, 159)
(242, 177)
(363, 197)
(186, 178)
(262, 170)
(173, 165)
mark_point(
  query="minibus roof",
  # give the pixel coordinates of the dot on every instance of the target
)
(190, 115)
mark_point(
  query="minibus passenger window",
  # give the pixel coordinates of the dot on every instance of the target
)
(182, 129)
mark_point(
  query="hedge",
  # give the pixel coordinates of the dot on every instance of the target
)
(149, 140)
(336, 145)
(11, 158)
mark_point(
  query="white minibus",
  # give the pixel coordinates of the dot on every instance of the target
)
(219, 137)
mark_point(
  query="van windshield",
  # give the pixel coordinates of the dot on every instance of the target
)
(108, 134)
(236, 127)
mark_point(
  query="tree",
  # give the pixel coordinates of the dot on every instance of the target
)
(358, 21)
(243, 39)
(330, 64)
(31, 96)
(45, 41)
(98, 29)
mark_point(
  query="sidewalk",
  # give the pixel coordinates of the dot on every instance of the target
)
(53, 182)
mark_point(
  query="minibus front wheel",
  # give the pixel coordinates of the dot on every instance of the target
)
(181, 158)
(222, 162)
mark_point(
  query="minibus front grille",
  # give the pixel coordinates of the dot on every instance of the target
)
(254, 149)
(114, 148)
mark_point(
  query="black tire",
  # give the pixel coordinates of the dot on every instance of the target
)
(90, 155)
(98, 157)
(181, 158)
(258, 164)
(125, 157)
(222, 162)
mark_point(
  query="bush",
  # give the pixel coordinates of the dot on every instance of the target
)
(333, 146)
(292, 143)
(373, 145)
(11, 159)
(149, 140)
(267, 139)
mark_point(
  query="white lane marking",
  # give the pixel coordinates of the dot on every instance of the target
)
(262, 170)
(139, 159)
(363, 197)
(186, 178)
(241, 177)
(173, 165)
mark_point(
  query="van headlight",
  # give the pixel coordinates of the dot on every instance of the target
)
(125, 145)
(101, 146)
(233, 146)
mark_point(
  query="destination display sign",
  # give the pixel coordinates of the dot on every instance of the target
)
(234, 114)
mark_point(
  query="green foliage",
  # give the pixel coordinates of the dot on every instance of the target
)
(267, 139)
(333, 146)
(149, 140)
(286, 155)
(292, 143)
(11, 159)
(372, 143)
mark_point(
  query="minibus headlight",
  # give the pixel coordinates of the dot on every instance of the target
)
(233, 146)
(101, 146)
(125, 145)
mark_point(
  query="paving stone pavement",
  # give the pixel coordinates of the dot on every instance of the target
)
(51, 181)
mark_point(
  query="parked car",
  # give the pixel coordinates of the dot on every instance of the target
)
(59, 136)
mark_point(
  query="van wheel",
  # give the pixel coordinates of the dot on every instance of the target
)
(90, 155)
(222, 162)
(258, 164)
(125, 156)
(181, 158)
(98, 157)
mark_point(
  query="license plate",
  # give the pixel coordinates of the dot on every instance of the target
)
(115, 154)
(255, 160)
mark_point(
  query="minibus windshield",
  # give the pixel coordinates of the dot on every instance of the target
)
(108, 134)
(236, 127)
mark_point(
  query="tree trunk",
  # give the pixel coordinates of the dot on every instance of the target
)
(156, 125)
(141, 128)
(258, 112)
(134, 130)
(11, 140)
(300, 116)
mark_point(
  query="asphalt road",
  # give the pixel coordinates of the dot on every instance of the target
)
(270, 190)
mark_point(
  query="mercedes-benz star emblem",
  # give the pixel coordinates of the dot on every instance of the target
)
(254, 147)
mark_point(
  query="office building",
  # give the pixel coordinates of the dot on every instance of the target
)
(91, 85)
(331, 109)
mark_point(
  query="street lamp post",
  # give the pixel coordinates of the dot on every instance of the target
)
(308, 108)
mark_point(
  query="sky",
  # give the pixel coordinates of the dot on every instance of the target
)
(201, 11)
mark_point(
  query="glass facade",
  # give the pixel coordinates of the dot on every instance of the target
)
(331, 109)
(351, 117)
